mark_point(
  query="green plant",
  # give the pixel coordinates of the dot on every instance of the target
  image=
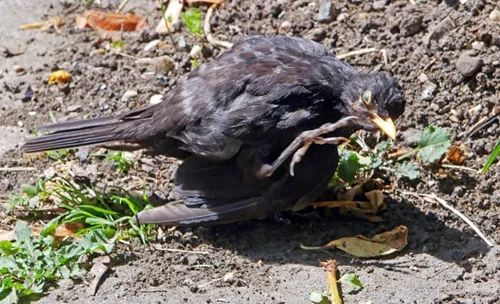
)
(192, 20)
(60, 154)
(111, 211)
(491, 159)
(30, 196)
(363, 161)
(120, 161)
(29, 265)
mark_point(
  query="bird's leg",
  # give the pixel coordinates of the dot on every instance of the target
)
(305, 139)
(297, 156)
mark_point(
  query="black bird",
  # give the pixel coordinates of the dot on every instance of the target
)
(249, 126)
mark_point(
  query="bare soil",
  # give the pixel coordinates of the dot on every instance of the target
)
(455, 45)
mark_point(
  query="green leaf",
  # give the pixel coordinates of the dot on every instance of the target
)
(352, 280)
(22, 232)
(192, 20)
(348, 165)
(493, 156)
(319, 297)
(408, 170)
(118, 44)
(11, 297)
(433, 144)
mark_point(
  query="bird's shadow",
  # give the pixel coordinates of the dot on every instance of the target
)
(278, 240)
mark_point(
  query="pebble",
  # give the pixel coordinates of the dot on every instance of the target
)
(19, 70)
(379, 4)
(28, 94)
(422, 77)
(317, 34)
(285, 26)
(162, 64)
(181, 42)
(411, 25)
(467, 65)
(326, 12)
(196, 51)
(155, 99)
(151, 45)
(495, 15)
(128, 95)
(478, 45)
(74, 108)
(429, 91)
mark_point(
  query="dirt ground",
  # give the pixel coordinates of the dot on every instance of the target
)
(446, 55)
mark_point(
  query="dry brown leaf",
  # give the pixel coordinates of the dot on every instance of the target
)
(55, 22)
(363, 209)
(62, 231)
(111, 22)
(360, 246)
(60, 76)
(456, 155)
(381, 244)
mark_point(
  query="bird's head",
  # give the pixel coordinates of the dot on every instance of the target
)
(377, 100)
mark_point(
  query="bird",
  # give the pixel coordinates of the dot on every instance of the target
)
(257, 129)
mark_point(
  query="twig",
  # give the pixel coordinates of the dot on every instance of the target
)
(163, 10)
(429, 64)
(384, 56)
(482, 123)
(357, 52)
(121, 6)
(458, 167)
(210, 282)
(14, 169)
(186, 251)
(331, 275)
(433, 198)
(206, 29)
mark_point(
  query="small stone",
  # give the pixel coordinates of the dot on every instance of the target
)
(411, 137)
(82, 154)
(467, 65)
(317, 34)
(50, 172)
(181, 42)
(326, 12)
(128, 95)
(478, 45)
(162, 64)
(196, 51)
(19, 70)
(429, 91)
(379, 4)
(229, 277)
(155, 99)
(74, 108)
(285, 26)
(28, 94)
(495, 15)
(422, 77)
(151, 45)
(411, 25)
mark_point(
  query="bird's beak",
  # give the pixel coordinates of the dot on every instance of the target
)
(387, 126)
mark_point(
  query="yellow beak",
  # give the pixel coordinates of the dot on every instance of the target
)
(387, 126)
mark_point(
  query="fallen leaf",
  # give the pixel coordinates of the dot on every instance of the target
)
(7, 235)
(111, 22)
(98, 270)
(456, 155)
(55, 22)
(347, 204)
(60, 76)
(360, 246)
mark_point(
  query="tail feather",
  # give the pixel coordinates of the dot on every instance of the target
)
(82, 133)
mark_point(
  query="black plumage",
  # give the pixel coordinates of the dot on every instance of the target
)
(230, 119)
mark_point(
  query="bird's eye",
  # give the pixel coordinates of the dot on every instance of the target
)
(366, 97)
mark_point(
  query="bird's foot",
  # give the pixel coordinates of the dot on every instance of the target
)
(298, 147)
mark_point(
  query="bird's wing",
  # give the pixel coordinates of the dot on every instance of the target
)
(258, 85)
(215, 192)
